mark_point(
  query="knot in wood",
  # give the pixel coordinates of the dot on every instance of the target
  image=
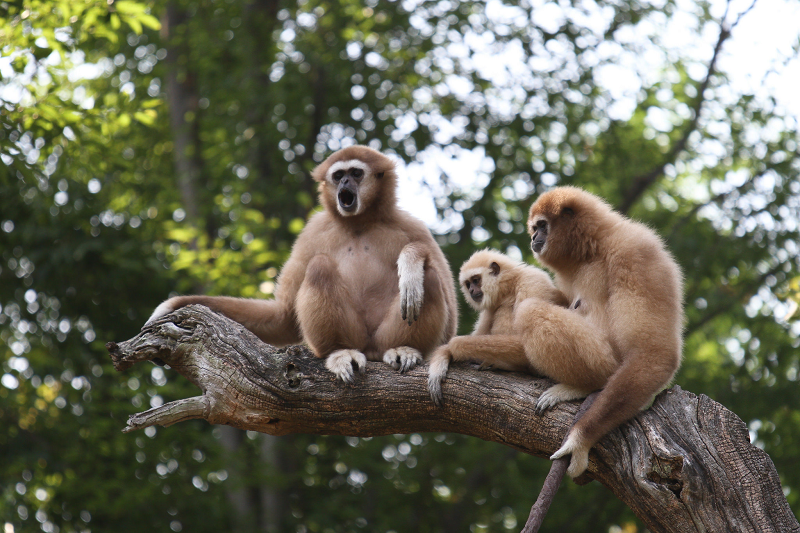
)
(293, 375)
(667, 472)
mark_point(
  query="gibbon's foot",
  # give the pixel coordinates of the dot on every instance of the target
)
(343, 362)
(556, 394)
(580, 455)
(402, 358)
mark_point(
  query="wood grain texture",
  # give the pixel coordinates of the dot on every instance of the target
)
(684, 465)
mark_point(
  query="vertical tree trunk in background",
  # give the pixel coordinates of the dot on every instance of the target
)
(272, 504)
(237, 490)
(183, 102)
(256, 508)
(261, 18)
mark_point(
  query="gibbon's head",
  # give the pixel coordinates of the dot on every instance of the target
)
(356, 180)
(564, 225)
(482, 278)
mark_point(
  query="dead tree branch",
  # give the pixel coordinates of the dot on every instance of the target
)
(684, 465)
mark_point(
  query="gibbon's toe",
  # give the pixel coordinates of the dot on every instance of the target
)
(580, 455)
(343, 362)
(578, 464)
(555, 395)
(402, 358)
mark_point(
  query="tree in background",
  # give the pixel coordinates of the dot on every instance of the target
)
(153, 146)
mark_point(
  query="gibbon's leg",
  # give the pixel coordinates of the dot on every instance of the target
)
(628, 391)
(328, 320)
(505, 352)
(564, 346)
(401, 342)
(272, 321)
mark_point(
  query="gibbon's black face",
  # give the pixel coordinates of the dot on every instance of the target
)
(347, 182)
(539, 236)
(473, 286)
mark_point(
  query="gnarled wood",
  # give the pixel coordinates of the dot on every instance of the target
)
(684, 465)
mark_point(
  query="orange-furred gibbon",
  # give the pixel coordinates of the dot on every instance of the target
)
(365, 280)
(524, 325)
(618, 276)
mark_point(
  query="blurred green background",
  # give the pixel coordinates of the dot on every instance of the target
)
(152, 147)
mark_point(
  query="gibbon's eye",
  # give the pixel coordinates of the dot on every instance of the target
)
(338, 175)
(356, 172)
(476, 280)
(540, 224)
(466, 284)
(567, 211)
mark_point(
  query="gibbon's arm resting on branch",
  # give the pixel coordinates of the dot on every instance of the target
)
(679, 466)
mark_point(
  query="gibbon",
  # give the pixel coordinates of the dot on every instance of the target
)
(364, 281)
(524, 325)
(620, 278)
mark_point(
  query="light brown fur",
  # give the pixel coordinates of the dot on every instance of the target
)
(524, 325)
(365, 280)
(628, 287)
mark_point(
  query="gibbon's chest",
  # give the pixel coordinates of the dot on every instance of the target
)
(368, 266)
(587, 293)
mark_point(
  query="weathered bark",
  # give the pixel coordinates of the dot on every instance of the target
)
(684, 465)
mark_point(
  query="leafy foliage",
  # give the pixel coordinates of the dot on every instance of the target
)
(153, 146)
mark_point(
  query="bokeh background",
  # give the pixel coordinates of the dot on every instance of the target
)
(152, 147)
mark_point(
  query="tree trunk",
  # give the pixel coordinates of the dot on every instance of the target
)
(684, 465)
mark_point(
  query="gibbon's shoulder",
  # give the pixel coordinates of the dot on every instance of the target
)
(411, 225)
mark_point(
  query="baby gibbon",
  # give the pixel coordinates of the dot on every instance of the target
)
(365, 280)
(620, 278)
(524, 325)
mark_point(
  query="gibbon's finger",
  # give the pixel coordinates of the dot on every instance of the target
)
(410, 302)
(412, 277)
(437, 370)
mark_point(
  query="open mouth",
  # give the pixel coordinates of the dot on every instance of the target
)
(347, 200)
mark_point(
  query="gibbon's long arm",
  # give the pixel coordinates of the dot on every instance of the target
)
(503, 352)
(273, 321)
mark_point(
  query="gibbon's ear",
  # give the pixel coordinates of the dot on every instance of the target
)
(568, 212)
(495, 268)
(380, 175)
